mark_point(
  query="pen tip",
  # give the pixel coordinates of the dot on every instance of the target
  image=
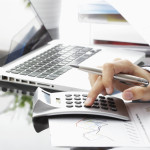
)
(75, 66)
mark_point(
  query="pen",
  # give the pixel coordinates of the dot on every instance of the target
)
(124, 78)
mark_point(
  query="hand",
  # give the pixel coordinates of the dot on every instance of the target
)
(105, 84)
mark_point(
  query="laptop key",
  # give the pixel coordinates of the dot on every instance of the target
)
(15, 71)
(29, 70)
(64, 69)
(33, 68)
(59, 72)
(25, 73)
(50, 70)
(34, 74)
(43, 75)
(85, 49)
(79, 60)
(51, 77)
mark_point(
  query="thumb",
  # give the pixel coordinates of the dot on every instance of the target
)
(137, 92)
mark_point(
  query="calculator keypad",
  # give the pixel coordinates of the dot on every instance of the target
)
(102, 102)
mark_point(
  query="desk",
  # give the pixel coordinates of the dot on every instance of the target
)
(16, 127)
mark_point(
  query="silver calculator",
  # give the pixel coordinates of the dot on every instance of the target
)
(72, 103)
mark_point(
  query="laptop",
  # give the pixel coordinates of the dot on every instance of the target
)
(40, 59)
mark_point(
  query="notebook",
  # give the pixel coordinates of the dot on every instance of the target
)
(40, 59)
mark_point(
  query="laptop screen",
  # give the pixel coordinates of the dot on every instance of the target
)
(32, 36)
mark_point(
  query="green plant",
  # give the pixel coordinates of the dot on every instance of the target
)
(20, 101)
(28, 3)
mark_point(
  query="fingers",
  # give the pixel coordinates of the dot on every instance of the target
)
(106, 83)
(92, 78)
(137, 92)
(96, 89)
(110, 69)
(108, 73)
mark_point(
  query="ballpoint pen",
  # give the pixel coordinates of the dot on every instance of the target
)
(124, 78)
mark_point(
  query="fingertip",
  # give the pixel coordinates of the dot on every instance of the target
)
(127, 95)
(109, 90)
(88, 101)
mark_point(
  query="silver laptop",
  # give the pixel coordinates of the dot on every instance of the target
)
(40, 59)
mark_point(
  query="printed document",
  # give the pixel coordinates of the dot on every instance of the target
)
(103, 132)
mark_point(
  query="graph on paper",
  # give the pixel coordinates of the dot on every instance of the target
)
(92, 128)
(93, 131)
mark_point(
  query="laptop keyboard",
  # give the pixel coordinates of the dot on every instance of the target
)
(54, 62)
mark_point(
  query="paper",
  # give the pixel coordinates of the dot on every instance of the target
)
(102, 132)
(136, 12)
(96, 7)
(98, 11)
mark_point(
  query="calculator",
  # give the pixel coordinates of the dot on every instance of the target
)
(48, 104)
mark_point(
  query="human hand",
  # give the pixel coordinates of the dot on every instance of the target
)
(105, 84)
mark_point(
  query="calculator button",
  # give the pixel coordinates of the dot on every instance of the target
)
(104, 104)
(78, 105)
(110, 98)
(68, 98)
(77, 98)
(84, 95)
(76, 95)
(77, 102)
(103, 101)
(69, 105)
(69, 102)
(101, 97)
(87, 106)
(96, 100)
(114, 109)
(95, 103)
(68, 95)
(95, 106)
(84, 98)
